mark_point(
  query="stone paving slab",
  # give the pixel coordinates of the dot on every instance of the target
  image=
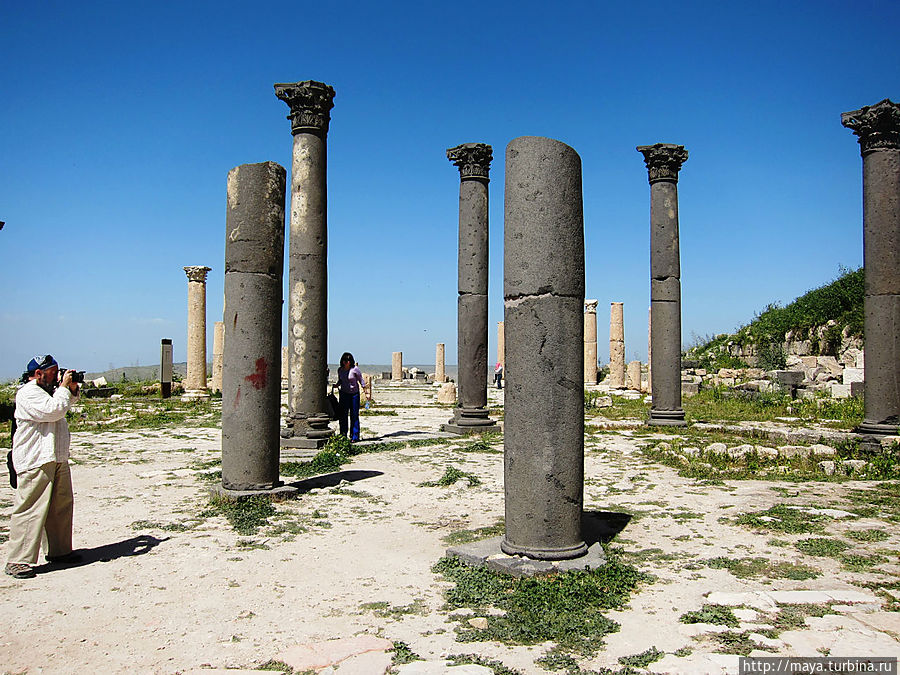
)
(368, 663)
(330, 652)
(442, 668)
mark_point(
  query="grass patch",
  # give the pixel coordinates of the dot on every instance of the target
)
(246, 515)
(783, 518)
(479, 533)
(854, 562)
(475, 659)
(644, 659)
(749, 568)
(822, 547)
(718, 615)
(867, 535)
(730, 642)
(566, 609)
(403, 654)
(451, 475)
(793, 617)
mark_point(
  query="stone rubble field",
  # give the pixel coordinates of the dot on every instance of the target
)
(342, 575)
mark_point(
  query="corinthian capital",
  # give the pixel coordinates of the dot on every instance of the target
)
(590, 306)
(663, 161)
(877, 126)
(310, 103)
(473, 160)
(197, 273)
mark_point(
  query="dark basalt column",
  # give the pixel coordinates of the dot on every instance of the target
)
(251, 374)
(664, 161)
(543, 287)
(474, 162)
(310, 103)
(878, 129)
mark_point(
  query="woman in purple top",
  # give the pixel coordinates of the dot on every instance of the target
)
(351, 382)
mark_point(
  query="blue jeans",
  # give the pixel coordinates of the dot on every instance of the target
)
(349, 403)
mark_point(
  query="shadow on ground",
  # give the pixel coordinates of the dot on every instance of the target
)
(602, 526)
(139, 545)
(333, 479)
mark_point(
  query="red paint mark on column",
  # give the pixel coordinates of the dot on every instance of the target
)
(258, 379)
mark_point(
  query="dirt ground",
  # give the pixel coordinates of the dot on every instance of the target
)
(164, 588)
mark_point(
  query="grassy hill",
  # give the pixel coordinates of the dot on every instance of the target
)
(840, 302)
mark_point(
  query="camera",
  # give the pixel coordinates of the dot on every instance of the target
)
(77, 375)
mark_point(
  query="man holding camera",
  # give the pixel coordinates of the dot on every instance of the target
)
(40, 456)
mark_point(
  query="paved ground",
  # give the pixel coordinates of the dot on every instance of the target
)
(165, 588)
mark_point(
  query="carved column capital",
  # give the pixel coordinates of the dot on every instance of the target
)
(310, 103)
(877, 126)
(197, 273)
(472, 159)
(663, 161)
(590, 306)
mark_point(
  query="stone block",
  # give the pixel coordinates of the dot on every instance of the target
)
(840, 390)
(830, 364)
(447, 394)
(690, 389)
(788, 378)
(799, 597)
(827, 467)
(857, 388)
(323, 654)
(808, 361)
(851, 375)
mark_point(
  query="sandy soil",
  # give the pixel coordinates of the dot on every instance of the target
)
(152, 596)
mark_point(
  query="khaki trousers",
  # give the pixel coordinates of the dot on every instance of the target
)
(44, 503)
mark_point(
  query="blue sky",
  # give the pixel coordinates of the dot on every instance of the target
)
(120, 121)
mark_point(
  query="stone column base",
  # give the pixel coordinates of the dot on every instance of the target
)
(276, 492)
(667, 418)
(306, 432)
(876, 429)
(565, 553)
(195, 394)
(468, 421)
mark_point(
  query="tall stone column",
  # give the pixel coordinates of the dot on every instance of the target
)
(251, 382)
(650, 350)
(218, 354)
(310, 103)
(396, 366)
(195, 380)
(165, 367)
(590, 342)
(543, 289)
(663, 162)
(878, 129)
(616, 346)
(501, 344)
(439, 374)
(474, 163)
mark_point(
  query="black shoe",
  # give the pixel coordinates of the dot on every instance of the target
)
(71, 557)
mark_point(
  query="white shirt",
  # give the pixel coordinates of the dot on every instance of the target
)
(42, 434)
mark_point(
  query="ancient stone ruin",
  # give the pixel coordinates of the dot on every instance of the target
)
(471, 413)
(195, 380)
(544, 420)
(310, 106)
(251, 383)
(664, 161)
(878, 129)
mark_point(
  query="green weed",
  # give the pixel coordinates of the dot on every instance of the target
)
(718, 615)
(451, 475)
(246, 515)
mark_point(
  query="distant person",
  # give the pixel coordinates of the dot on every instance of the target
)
(350, 379)
(40, 456)
(498, 375)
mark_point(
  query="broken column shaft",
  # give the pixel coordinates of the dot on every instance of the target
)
(251, 376)
(663, 161)
(878, 129)
(543, 288)
(474, 163)
(616, 345)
